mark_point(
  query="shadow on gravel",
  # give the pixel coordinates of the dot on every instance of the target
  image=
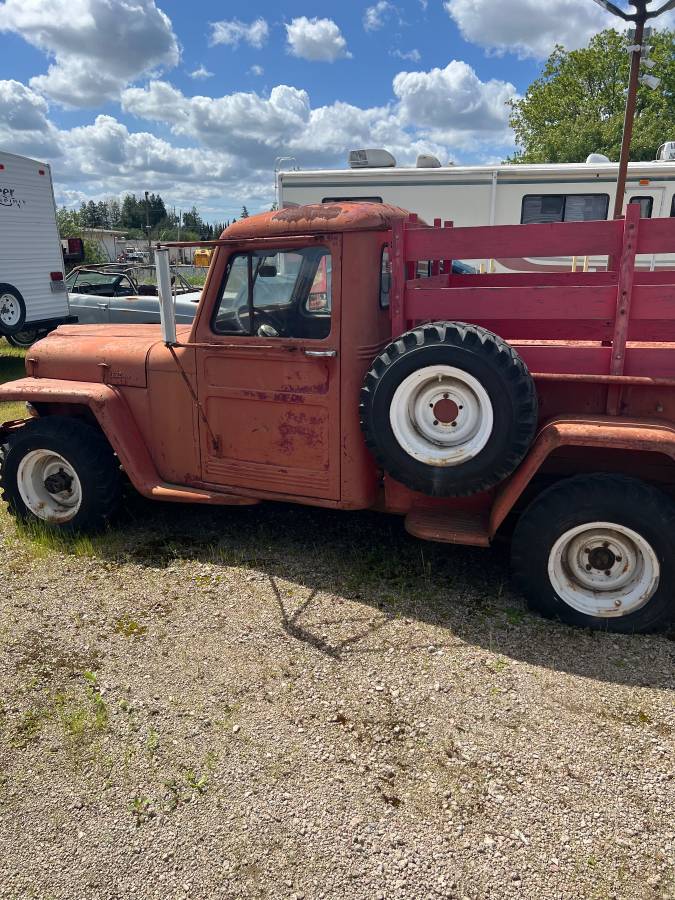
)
(368, 557)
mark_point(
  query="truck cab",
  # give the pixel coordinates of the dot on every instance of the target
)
(321, 369)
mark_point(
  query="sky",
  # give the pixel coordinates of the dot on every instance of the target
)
(195, 101)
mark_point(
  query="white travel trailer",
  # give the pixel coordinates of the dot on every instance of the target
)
(495, 195)
(33, 296)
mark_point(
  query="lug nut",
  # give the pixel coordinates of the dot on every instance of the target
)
(588, 567)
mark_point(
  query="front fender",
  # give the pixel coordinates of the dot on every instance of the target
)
(110, 410)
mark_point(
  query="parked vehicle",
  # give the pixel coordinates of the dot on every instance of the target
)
(33, 297)
(497, 195)
(321, 369)
(123, 293)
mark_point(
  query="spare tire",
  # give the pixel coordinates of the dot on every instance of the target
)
(449, 409)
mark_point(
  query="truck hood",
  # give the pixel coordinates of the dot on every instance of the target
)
(108, 354)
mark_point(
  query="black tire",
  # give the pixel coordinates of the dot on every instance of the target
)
(86, 451)
(25, 338)
(600, 498)
(17, 323)
(491, 362)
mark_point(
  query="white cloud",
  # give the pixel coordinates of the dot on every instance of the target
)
(412, 55)
(257, 70)
(201, 73)
(317, 40)
(232, 32)
(529, 28)
(453, 105)
(24, 126)
(375, 16)
(98, 46)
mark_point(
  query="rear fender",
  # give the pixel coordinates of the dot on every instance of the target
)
(608, 432)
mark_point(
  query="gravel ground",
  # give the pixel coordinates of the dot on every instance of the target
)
(281, 702)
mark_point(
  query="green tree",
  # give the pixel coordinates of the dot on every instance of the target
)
(70, 225)
(244, 213)
(576, 106)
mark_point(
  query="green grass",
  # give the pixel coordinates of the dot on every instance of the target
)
(11, 368)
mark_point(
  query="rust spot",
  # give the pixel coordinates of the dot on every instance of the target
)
(309, 213)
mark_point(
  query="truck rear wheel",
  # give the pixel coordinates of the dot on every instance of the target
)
(62, 473)
(598, 551)
(449, 409)
(12, 310)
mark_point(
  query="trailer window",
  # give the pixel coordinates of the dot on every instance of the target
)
(645, 204)
(277, 293)
(542, 208)
(672, 206)
(385, 277)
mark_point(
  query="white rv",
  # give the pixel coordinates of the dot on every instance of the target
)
(494, 195)
(33, 296)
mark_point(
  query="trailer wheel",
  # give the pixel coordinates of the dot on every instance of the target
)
(62, 473)
(12, 310)
(449, 409)
(25, 338)
(598, 551)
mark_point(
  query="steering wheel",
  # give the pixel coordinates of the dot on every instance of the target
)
(268, 326)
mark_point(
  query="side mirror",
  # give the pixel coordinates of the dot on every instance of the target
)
(267, 272)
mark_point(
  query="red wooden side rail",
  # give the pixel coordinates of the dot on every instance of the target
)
(612, 325)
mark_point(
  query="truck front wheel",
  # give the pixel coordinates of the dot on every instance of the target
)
(60, 472)
(598, 551)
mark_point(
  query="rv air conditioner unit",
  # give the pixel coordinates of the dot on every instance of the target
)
(596, 159)
(666, 152)
(370, 159)
(427, 161)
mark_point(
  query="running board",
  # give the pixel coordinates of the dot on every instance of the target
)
(461, 526)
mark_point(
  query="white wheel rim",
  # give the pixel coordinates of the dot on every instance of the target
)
(603, 569)
(49, 486)
(10, 310)
(441, 415)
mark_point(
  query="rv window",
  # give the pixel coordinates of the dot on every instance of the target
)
(645, 204)
(542, 208)
(352, 199)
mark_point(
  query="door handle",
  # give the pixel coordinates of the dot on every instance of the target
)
(320, 352)
(103, 305)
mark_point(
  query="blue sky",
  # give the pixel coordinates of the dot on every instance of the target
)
(196, 100)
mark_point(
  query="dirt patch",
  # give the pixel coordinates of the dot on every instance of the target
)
(281, 702)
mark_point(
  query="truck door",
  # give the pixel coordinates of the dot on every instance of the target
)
(269, 379)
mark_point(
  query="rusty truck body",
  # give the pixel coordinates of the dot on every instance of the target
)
(337, 360)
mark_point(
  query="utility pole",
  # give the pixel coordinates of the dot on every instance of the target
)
(639, 17)
(147, 226)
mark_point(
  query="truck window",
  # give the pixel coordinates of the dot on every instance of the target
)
(542, 208)
(646, 204)
(277, 293)
(385, 277)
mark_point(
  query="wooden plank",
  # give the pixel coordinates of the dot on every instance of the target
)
(470, 303)
(496, 241)
(655, 360)
(398, 278)
(656, 236)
